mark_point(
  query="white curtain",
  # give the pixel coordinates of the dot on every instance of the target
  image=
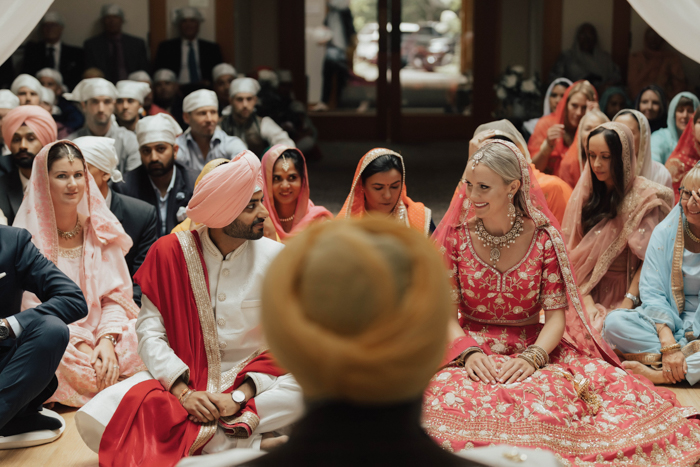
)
(677, 21)
(18, 18)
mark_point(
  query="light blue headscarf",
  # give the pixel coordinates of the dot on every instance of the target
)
(664, 140)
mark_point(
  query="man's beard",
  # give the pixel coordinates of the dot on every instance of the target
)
(23, 159)
(239, 229)
(156, 169)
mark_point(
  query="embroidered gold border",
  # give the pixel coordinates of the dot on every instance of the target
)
(206, 320)
(677, 288)
(248, 418)
(428, 217)
(229, 377)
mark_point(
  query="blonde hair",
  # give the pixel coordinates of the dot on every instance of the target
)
(585, 88)
(502, 160)
(692, 177)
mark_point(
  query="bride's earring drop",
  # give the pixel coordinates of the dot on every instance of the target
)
(511, 208)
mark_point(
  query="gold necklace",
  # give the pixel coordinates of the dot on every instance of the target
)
(686, 226)
(70, 234)
(497, 242)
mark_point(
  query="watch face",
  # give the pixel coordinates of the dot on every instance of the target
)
(238, 396)
(4, 332)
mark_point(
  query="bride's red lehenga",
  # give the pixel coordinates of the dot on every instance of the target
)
(582, 406)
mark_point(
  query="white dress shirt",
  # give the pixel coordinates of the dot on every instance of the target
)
(184, 77)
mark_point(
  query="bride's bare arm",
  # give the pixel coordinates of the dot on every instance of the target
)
(553, 330)
(454, 330)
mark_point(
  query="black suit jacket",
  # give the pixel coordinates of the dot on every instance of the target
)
(71, 65)
(97, 54)
(11, 193)
(140, 221)
(137, 185)
(25, 268)
(169, 56)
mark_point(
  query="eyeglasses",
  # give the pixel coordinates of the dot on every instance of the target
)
(685, 194)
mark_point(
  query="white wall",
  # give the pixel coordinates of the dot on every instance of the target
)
(315, 14)
(515, 34)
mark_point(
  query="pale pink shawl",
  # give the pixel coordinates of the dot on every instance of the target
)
(306, 212)
(645, 204)
(104, 239)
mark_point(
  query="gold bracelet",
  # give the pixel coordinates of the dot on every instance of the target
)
(671, 348)
(529, 359)
(461, 360)
(183, 395)
(110, 338)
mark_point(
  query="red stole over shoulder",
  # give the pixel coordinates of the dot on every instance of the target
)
(150, 426)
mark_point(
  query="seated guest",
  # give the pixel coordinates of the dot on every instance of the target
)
(72, 226)
(223, 74)
(70, 116)
(52, 53)
(8, 101)
(28, 89)
(555, 132)
(652, 103)
(32, 342)
(190, 57)
(686, 154)
(202, 373)
(166, 93)
(646, 166)
(575, 158)
(609, 221)
(286, 192)
(115, 53)
(656, 64)
(554, 93)
(148, 106)
(130, 98)
(204, 141)
(48, 103)
(98, 96)
(139, 219)
(556, 191)
(258, 133)
(161, 180)
(662, 332)
(27, 129)
(680, 112)
(613, 100)
(379, 188)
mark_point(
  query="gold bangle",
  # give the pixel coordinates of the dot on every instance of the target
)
(529, 359)
(462, 358)
(670, 348)
(183, 395)
(110, 338)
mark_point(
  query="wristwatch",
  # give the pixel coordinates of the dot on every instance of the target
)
(238, 397)
(4, 330)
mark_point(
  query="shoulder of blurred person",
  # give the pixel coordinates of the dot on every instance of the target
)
(11, 192)
(140, 222)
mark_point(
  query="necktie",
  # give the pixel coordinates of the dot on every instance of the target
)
(192, 65)
(50, 57)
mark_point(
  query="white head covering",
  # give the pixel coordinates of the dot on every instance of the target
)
(159, 128)
(165, 74)
(50, 73)
(48, 96)
(111, 10)
(92, 87)
(26, 81)
(248, 85)
(100, 152)
(223, 69)
(52, 17)
(132, 90)
(8, 100)
(188, 12)
(268, 76)
(140, 76)
(198, 99)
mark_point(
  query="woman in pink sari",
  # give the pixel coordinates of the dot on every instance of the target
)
(609, 220)
(72, 226)
(286, 192)
(509, 379)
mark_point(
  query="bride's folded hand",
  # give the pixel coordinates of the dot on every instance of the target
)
(481, 368)
(515, 370)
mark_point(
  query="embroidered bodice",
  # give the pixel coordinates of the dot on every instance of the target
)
(485, 295)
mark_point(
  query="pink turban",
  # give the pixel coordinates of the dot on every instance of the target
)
(222, 195)
(37, 119)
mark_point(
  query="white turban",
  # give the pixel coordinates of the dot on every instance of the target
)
(140, 76)
(188, 12)
(8, 100)
(132, 90)
(198, 99)
(112, 10)
(48, 96)
(52, 17)
(92, 87)
(223, 69)
(99, 151)
(269, 76)
(248, 85)
(26, 81)
(50, 73)
(165, 74)
(159, 128)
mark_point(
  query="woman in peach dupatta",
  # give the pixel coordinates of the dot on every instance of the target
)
(686, 154)
(555, 132)
(102, 346)
(387, 197)
(286, 192)
(575, 158)
(609, 221)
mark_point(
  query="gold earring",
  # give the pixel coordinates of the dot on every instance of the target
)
(511, 208)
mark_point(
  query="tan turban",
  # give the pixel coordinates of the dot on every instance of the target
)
(222, 195)
(37, 119)
(358, 310)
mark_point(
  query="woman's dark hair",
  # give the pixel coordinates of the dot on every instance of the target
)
(696, 117)
(297, 160)
(381, 164)
(61, 150)
(684, 101)
(603, 204)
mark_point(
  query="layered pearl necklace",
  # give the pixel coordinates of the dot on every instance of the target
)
(495, 243)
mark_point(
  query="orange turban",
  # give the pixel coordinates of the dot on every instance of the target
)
(39, 120)
(222, 195)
